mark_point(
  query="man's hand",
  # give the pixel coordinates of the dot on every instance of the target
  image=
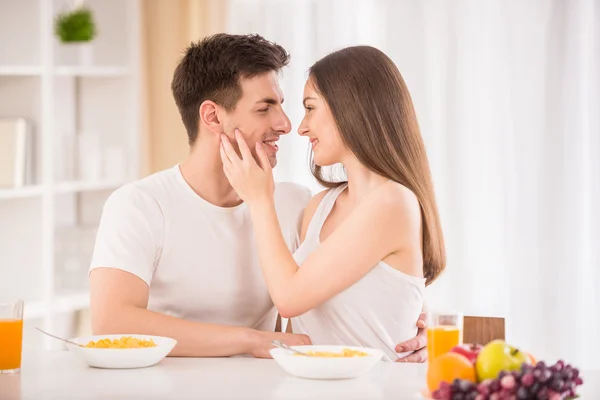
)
(418, 344)
(262, 342)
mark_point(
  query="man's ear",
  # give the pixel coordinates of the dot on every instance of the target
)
(209, 116)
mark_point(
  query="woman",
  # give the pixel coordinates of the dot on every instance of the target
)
(370, 244)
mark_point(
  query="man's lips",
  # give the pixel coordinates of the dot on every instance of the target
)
(271, 144)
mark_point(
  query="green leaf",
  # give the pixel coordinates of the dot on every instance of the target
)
(75, 26)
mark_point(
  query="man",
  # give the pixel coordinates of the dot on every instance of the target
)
(175, 253)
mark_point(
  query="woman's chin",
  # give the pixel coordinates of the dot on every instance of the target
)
(324, 163)
(322, 160)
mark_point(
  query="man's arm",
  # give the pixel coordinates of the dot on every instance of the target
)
(129, 238)
(118, 305)
(418, 344)
(289, 328)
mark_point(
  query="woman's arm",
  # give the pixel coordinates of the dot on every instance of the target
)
(367, 236)
(387, 221)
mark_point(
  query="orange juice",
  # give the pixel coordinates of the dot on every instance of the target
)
(441, 339)
(11, 341)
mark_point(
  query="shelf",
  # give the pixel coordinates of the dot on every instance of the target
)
(21, 193)
(20, 70)
(60, 188)
(92, 71)
(62, 304)
(82, 186)
(75, 70)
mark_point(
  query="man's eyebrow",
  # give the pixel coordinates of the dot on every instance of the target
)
(270, 100)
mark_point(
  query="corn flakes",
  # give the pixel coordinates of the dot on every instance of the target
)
(125, 342)
(344, 353)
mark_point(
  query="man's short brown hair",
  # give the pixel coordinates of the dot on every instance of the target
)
(211, 70)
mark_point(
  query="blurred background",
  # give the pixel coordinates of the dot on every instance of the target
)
(508, 99)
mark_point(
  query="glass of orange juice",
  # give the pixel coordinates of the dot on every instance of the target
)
(444, 331)
(11, 336)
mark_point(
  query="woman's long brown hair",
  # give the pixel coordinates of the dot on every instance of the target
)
(376, 119)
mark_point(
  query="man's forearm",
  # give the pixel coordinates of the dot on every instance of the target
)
(194, 339)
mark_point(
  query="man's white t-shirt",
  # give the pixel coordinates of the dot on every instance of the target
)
(199, 260)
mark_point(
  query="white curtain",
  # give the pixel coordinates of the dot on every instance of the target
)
(508, 99)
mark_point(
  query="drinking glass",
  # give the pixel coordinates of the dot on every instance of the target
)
(11, 335)
(444, 331)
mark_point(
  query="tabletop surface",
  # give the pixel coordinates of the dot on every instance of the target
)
(60, 375)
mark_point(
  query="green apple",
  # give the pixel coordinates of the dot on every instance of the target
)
(498, 356)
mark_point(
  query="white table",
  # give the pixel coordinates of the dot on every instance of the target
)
(60, 375)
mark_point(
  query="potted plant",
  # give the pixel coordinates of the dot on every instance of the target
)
(76, 28)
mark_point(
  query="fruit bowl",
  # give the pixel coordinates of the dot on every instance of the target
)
(498, 371)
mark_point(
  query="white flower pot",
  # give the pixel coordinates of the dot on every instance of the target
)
(79, 53)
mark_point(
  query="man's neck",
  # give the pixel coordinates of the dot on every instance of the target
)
(203, 171)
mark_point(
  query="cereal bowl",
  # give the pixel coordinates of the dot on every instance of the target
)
(326, 367)
(138, 357)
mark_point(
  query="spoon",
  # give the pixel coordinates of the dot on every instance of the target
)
(59, 338)
(279, 344)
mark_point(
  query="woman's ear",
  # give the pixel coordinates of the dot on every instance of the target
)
(209, 116)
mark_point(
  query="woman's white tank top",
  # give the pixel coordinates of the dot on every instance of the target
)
(378, 311)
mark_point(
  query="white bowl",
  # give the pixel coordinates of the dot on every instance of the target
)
(122, 358)
(326, 367)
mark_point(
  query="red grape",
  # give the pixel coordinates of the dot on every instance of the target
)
(528, 379)
(508, 382)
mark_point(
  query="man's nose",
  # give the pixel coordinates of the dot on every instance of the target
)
(283, 125)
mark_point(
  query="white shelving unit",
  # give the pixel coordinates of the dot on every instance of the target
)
(21, 193)
(86, 136)
(20, 70)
